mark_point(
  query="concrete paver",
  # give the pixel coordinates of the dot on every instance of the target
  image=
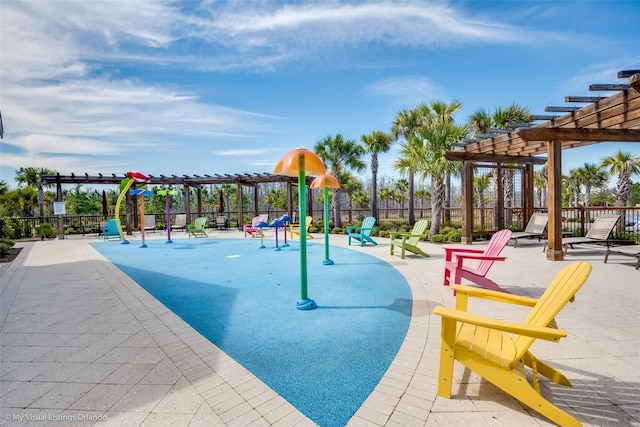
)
(81, 342)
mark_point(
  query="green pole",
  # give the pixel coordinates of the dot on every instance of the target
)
(327, 260)
(302, 199)
(305, 303)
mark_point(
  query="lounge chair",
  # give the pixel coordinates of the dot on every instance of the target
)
(455, 257)
(111, 231)
(535, 228)
(630, 250)
(197, 228)
(181, 222)
(150, 222)
(295, 228)
(498, 350)
(409, 241)
(362, 233)
(222, 223)
(251, 229)
(598, 233)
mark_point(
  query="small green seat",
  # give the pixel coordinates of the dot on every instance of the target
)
(362, 233)
(111, 231)
(197, 228)
(409, 241)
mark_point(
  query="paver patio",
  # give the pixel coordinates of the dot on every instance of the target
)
(82, 342)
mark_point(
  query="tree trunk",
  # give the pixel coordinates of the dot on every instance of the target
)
(437, 200)
(335, 203)
(447, 200)
(374, 185)
(412, 218)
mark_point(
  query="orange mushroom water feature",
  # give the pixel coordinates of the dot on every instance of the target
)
(300, 162)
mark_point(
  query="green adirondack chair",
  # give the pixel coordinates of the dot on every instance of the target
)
(409, 241)
(362, 233)
(197, 228)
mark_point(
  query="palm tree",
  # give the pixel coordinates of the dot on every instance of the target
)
(540, 183)
(339, 154)
(482, 121)
(401, 187)
(408, 162)
(374, 143)
(406, 124)
(350, 185)
(572, 184)
(591, 175)
(438, 138)
(360, 199)
(444, 113)
(34, 177)
(386, 194)
(480, 185)
(625, 165)
(423, 195)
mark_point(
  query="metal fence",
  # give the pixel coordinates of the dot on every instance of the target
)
(575, 220)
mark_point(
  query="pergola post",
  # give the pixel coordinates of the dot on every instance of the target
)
(528, 194)
(467, 203)
(187, 202)
(289, 199)
(554, 195)
(256, 210)
(60, 219)
(240, 206)
(199, 200)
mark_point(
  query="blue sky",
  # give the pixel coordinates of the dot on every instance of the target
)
(205, 87)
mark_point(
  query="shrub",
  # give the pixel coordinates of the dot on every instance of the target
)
(45, 230)
(5, 245)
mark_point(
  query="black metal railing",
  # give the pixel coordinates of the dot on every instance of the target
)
(574, 219)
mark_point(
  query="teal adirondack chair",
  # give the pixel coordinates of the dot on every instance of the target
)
(197, 228)
(110, 231)
(409, 241)
(362, 233)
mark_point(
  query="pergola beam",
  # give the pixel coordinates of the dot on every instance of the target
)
(493, 158)
(634, 81)
(588, 134)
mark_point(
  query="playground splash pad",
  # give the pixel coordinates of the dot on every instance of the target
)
(243, 299)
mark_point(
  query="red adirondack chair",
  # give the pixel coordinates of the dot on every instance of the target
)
(455, 256)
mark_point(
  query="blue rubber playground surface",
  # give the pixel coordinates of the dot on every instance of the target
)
(243, 299)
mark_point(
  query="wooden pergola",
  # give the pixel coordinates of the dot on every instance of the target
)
(615, 118)
(187, 182)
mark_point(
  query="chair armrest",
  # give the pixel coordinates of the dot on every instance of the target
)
(463, 291)
(541, 332)
(352, 228)
(398, 233)
(479, 257)
(458, 249)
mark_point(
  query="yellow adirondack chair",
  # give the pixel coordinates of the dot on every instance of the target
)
(197, 228)
(409, 241)
(498, 350)
(295, 228)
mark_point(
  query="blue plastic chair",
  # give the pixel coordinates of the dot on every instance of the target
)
(362, 233)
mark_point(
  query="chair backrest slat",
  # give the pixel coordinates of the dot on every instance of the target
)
(367, 224)
(562, 290)
(497, 243)
(418, 232)
(537, 223)
(602, 227)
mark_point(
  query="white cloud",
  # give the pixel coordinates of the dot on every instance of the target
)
(238, 152)
(411, 89)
